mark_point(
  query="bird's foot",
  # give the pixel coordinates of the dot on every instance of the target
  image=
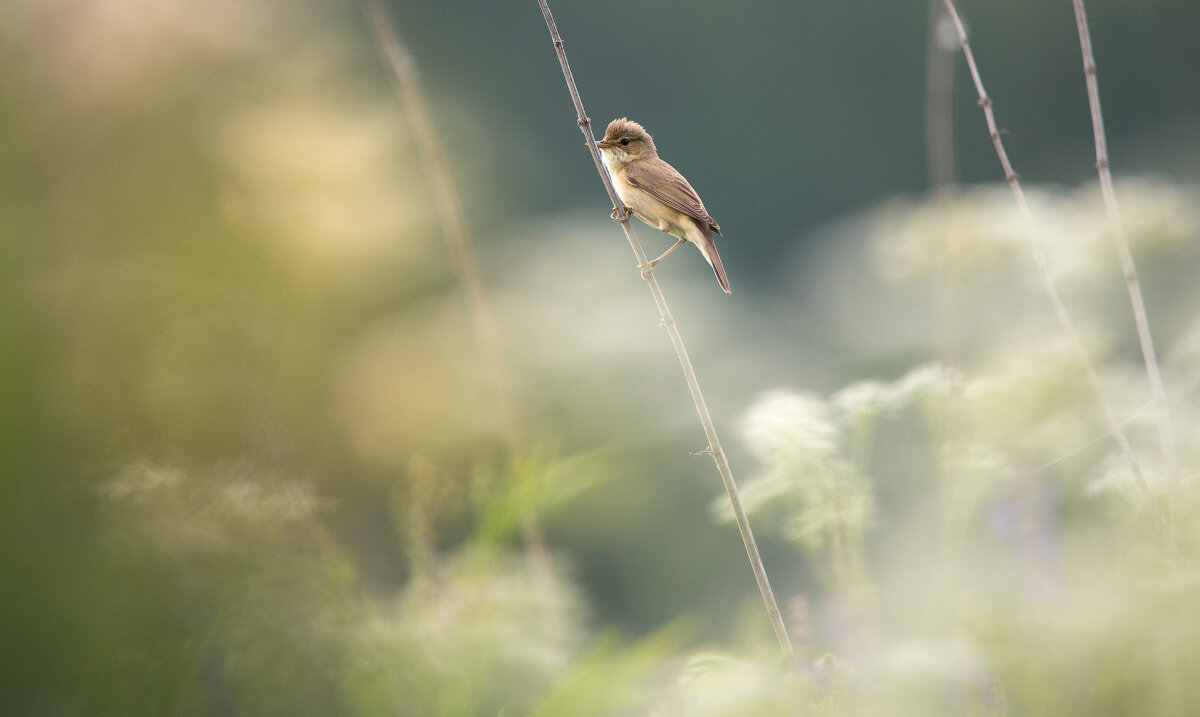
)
(620, 214)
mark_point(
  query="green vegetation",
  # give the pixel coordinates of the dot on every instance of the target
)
(250, 463)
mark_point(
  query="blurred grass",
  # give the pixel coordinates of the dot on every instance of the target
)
(247, 464)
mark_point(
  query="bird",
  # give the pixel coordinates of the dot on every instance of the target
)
(657, 193)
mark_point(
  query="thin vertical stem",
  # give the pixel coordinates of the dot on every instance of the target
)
(939, 152)
(939, 108)
(1060, 310)
(668, 322)
(454, 230)
(1166, 433)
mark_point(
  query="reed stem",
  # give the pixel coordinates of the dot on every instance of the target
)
(668, 322)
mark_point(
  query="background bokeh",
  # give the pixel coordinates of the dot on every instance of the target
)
(251, 461)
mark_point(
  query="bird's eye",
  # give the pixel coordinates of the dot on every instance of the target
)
(624, 141)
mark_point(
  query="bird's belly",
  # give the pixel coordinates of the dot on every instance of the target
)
(653, 212)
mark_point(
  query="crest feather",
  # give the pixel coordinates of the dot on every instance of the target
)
(625, 127)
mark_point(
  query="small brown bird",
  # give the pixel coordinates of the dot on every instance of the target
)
(657, 193)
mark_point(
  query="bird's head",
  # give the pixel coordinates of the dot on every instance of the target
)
(627, 141)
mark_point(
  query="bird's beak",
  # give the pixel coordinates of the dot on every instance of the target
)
(603, 145)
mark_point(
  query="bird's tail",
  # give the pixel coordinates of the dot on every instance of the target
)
(709, 249)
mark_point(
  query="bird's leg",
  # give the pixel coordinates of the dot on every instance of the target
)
(668, 251)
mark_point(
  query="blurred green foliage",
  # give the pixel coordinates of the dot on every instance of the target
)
(250, 463)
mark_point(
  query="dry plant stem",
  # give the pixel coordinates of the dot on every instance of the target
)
(1166, 432)
(421, 506)
(454, 229)
(939, 153)
(449, 209)
(1060, 310)
(668, 322)
(939, 107)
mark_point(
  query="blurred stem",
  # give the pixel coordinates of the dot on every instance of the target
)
(939, 107)
(668, 322)
(940, 156)
(837, 555)
(1060, 310)
(421, 504)
(1166, 433)
(454, 229)
(849, 585)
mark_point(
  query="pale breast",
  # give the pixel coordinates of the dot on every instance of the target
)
(614, 159)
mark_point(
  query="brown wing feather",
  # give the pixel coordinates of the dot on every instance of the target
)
(672, 190)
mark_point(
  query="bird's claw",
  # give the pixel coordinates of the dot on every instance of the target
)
(620, 214)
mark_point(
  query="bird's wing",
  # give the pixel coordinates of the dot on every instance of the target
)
(674, 190)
